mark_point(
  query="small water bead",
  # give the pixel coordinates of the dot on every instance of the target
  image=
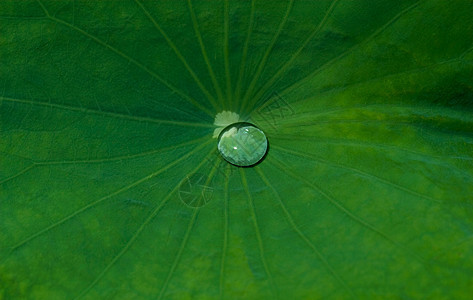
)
(242, 144)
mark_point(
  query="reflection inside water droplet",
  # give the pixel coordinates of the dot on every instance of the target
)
(242, 144)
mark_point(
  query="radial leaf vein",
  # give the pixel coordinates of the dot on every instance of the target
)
(351, 49)
(225, 232)
(122, 157)
(344, 210)
(265, 57)
(98, 161)
(175, 263)
(137, 233)
(294, 227)
(425, 68)
(131, 60)
(364, 81)
(462, 56)
(104, 113)
(119, 191)
(226, 51)
(21, 172)
(357, 171)
(179, 253)
(204, 52)
(465, 134)
(440, 160)
(178, 54)
(289, 63)
(257, 232)
(244, 54)
(391, 108)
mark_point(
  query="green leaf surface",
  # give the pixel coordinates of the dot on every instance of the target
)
(106, 120)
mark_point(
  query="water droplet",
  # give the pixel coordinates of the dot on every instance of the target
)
(242, 144)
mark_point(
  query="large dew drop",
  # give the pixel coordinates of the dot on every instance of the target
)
(242, 144)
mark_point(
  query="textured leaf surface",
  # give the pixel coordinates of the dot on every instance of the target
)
(107, 111)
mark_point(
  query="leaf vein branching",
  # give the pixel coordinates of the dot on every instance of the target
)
(357, 171)
(225, 233)
(346, 86)
(244, 54)
(204, 52)
(178, 54)
(103, 160)
(121, 157)
(226, 54)
(344, 210)
(117, 192)
(348, 142)
(135, 236)
(284, 68)
(294, 227)
(258, 233)
(175, 263)
(135, 62)
(351, 49)
(21, 172)
(105, 113)
(390, 107)
(466, 52)
(391, 75)
(448, 249)
(46, 12)
(179, 253)
(127, 245)
(265, 57)
(464, 134)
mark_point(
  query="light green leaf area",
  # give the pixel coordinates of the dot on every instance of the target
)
(107, 112)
